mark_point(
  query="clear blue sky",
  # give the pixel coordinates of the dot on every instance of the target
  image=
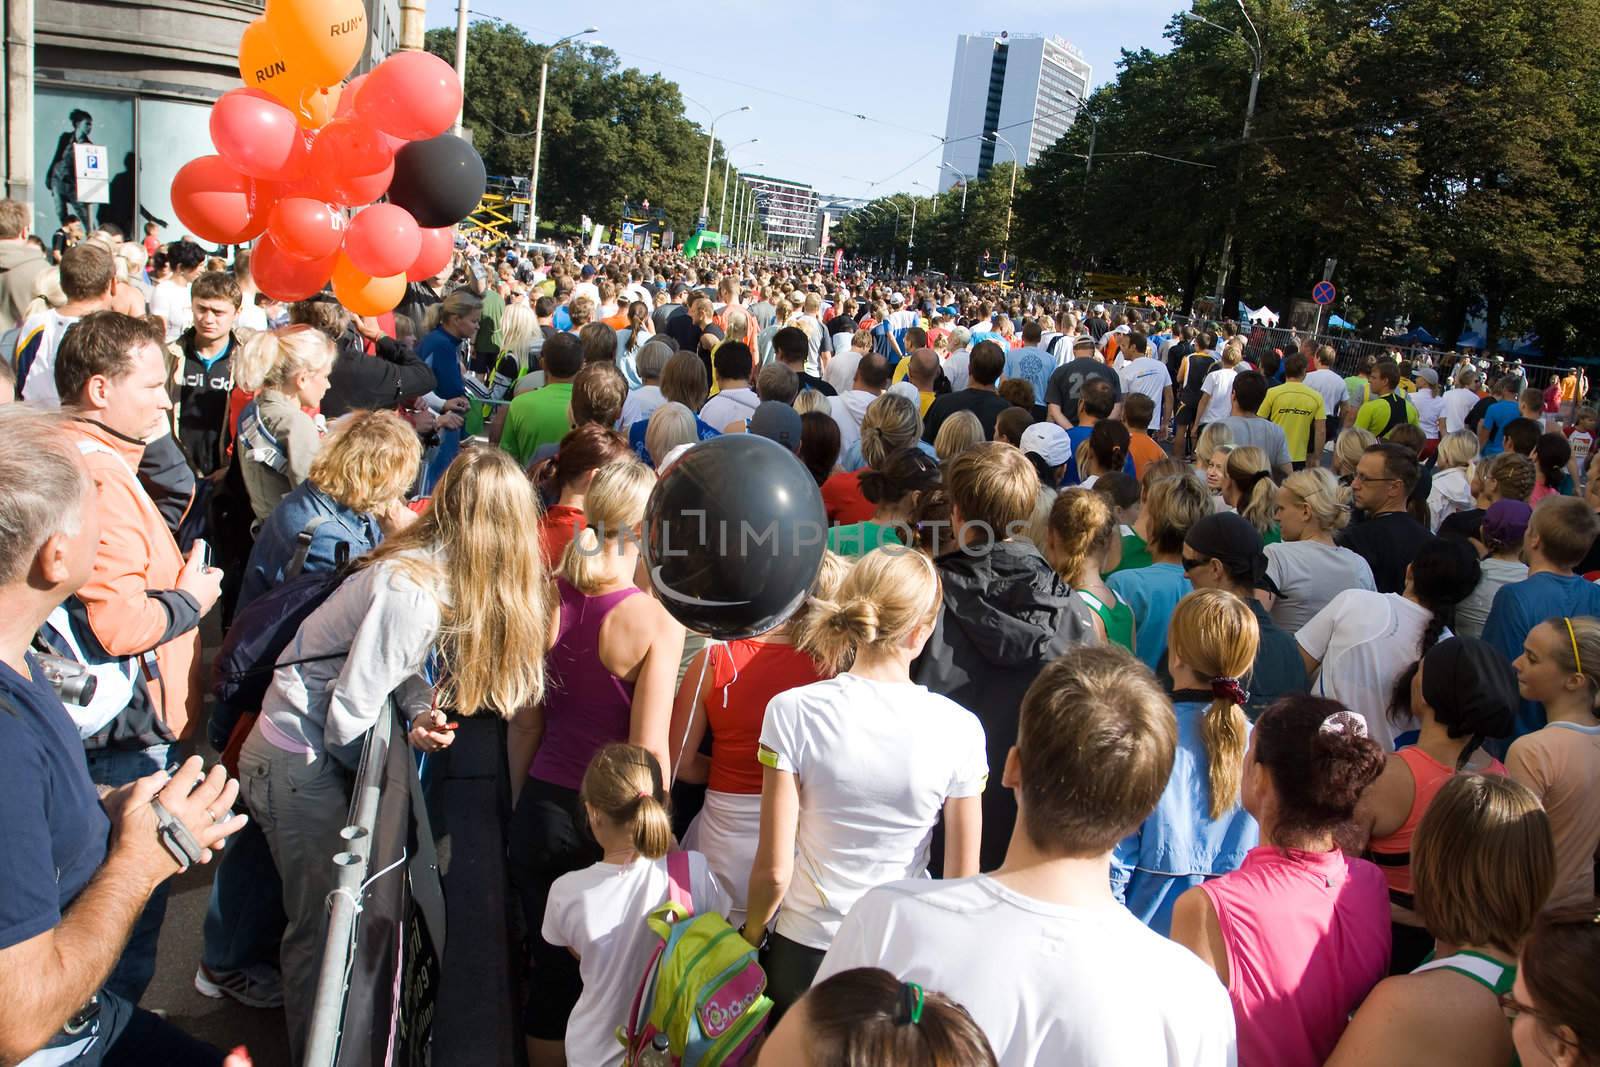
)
(807, 77)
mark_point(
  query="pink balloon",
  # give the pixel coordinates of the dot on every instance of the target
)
(258, 136)
(384, 240)
(305, 228)
(438, 246)
(282, 277)
(357, 190)
(414, 95)
(349, 147)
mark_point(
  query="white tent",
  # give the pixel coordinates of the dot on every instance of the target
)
(1265, 316)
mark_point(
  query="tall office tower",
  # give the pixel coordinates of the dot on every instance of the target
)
(1024, 86)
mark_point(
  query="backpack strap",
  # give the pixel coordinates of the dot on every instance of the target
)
(303, 541)
(678, 880)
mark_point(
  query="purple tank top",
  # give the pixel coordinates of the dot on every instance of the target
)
(585, 705)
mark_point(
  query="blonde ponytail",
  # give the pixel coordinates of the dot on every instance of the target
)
(271, 360)
(1215, 635)
(886, 595)
(624, 784)
(1251, 475)
(613, 508)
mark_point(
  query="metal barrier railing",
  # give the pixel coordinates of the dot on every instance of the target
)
(344, 903)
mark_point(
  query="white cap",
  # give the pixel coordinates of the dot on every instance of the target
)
(897, 298)
(1047, 441)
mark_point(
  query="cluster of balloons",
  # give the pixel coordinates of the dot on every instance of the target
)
(303, 158)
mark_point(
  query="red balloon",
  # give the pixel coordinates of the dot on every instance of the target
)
(438, 247)
(414, 95)
(357, 190)
(304, 228)
(282, 277)
(384, 240)
(258, 136)
(218, 204)
(349, 147)
(347, 98)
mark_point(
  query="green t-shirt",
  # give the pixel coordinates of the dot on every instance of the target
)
(1135, 553)
(537, 418)
(1375, 415)
(1296, 407)
(859, 538)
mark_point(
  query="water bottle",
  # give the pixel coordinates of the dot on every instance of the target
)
(659, 1054)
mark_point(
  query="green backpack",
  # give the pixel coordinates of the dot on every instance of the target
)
(702, 988)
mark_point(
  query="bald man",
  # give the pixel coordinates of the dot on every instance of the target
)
(924, 374)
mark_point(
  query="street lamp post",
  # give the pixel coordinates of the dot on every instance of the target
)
(711, 144)
(964, 179)
(1016, 165)
(538, 131)
(727, 162)
(463, 17)
(1249, 116)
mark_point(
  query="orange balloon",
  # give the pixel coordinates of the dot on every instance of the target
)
(362, 294)
(325, 37)
(263, 66)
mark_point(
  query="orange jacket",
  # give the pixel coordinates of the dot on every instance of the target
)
(130, 598)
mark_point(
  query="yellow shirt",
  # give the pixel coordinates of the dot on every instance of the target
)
(1295, 406)
(927, 402)
(900, 369)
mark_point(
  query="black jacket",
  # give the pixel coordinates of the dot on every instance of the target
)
(359, 382)
(1005, 616)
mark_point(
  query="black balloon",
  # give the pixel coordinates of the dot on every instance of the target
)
(734, 534)
(440, 180)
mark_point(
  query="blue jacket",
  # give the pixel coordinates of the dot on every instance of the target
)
(1180, 845)
(441, 351)
(279, 538)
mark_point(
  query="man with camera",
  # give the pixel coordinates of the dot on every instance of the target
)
(141, 600)
(79, 867)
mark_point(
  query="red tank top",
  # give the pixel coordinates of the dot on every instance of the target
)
(1393, 852)
(741, 681)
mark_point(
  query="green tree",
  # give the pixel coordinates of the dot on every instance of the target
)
(610, 133)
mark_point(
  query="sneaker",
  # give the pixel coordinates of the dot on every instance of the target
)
(264, 989)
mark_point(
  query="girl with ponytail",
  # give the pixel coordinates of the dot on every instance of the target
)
(1105, 451)
(1360, 645)
(1247, 488)
(598, 913)
(1560, 762)
(1198, 830)
(858, 769)
(1461, 693)
(613, 666)
(280, 431)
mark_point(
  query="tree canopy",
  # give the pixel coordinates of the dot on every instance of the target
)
(1443, 151)
(610, 133)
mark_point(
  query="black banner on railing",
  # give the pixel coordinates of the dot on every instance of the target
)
(394, 963)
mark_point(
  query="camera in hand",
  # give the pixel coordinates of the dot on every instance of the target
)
(70, 679)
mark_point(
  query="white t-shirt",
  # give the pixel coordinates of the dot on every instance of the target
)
(1219, 387)
(599, 914)
(1330, 387)
(590, 290)
(956, 367)
(902, 320)
(1458, 403)
(874, 762)
(1308, 575)
(1365, 641)
(842, 370)
(39, 389)
(729, 406)
(1429, 409)
(171, 301)
(1047, 983)
(1149, 376)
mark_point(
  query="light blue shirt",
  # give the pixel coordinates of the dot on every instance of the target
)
(1032, 365)
(1179, 845)
(1519, 607)
(1153, 593)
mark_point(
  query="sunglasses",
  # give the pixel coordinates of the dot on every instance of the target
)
(1191, 564)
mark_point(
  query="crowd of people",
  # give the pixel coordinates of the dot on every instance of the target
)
(1161, 697)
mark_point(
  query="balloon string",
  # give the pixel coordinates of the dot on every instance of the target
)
(705, 662)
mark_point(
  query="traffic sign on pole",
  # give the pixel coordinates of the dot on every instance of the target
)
(1324, 293)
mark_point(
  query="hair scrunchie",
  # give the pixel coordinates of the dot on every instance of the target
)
(1226, 688)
